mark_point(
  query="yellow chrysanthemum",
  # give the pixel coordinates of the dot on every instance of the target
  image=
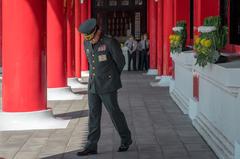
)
(202, 42)
(171, 37)
(178, 38)
(175, 43)
(196, 36)
(208, 43)
(197, 41)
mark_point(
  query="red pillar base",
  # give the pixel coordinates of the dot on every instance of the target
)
(152, 72)
(158, 77)
(163, 82)
(64, 93)
(31, 121)
(75, 84)
(84, 74)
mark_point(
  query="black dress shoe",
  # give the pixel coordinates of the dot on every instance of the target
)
(124, 147)
(87, 152)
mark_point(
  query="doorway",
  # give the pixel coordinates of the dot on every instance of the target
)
(121, 18)
(235, 22)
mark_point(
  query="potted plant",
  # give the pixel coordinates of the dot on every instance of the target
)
(178, 38)
(213, 38)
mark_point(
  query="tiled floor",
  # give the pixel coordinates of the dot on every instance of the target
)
(160, 130)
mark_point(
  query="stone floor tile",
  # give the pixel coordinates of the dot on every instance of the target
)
(197, 147)
(7, 154)
(149, 148)
(174, 151)
(31, 148)
(202, 155)
(150, 155)
(26, 155)
(125, 155)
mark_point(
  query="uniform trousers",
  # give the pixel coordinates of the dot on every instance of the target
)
(95, 110)
(139, 60)
(144, 60)
(132, 56)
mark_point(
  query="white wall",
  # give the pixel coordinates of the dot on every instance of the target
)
(217, 114)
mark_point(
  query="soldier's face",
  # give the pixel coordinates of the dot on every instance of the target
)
(96, 37)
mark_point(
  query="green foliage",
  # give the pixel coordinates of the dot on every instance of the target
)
(183, 33)
(209, 54)
(175, 43)
(178, 38)
(220, 35)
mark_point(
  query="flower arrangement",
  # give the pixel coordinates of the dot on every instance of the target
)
(178, 38)
(213, 37)
(205, 50)
(206, 29)
(177, 29)
(175, 43)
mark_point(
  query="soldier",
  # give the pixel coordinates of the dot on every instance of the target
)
(131, 44)
(106, 64)
(144, 45)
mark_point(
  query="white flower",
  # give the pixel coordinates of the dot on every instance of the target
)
(206, 29)
(177, 29)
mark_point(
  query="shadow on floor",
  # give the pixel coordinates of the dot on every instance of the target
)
(79, 91)
(73, 155)
(73, 115)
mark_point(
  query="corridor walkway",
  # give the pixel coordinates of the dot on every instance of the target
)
(159, 129)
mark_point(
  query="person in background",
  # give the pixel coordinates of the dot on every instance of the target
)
(139, 55)
(131, 44)
(144, 46)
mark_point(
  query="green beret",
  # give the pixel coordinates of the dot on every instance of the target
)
(88, 26)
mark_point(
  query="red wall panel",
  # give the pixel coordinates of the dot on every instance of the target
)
(168, 23)
(160, 37)
(182, 12)
(203, 9)
(152, 33)
(0, 33)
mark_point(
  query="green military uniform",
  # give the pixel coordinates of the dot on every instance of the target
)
(106, 63)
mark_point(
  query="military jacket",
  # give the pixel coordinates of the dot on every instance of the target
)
(106, 62)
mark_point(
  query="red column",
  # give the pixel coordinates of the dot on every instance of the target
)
(152, 33)
(24, 59)
(77, 19)
(84, 16)
(198, 20)
(72, 20)
(203, 9)
(70, 40)
(160, 37)
(0, 32)
(168, 8)
(89, 8)
(182, 12)
(56, 48)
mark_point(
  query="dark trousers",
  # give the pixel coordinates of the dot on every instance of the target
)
(148, 60)
(95, 111)
(130, 58)
(140, 60)
(144, 60)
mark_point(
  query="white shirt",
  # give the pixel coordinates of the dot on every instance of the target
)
(131, 45)
(143, 46)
